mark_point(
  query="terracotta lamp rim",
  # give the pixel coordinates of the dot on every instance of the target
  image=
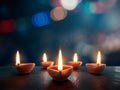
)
(95, 68)
(25, 64)
(95, 64)
(55, 67)
(60, 75)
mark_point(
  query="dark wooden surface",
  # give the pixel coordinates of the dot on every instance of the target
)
(39, 79)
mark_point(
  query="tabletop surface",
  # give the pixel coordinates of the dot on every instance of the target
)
(39, 79)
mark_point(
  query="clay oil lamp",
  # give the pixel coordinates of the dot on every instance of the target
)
(96, 68)
(23, 68)
(60, 72)
(46, 63)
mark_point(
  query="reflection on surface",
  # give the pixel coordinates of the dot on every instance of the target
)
(45, 76)
(75, 77)
(83, 80)
(54, 85)
(117, 69)
(65, 85)
(116, 79)
(15, 82)
(40, 80)
(96, 82)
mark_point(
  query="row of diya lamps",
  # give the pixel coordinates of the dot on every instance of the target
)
(60, 72)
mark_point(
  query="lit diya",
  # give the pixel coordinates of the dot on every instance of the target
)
(23, 68)
(60, 72)
(46, 63)
(75, 63)
(97, 67)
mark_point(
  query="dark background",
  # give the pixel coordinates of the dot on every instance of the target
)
(27, 26)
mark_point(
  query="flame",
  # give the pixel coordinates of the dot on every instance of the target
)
(75, 58)
(99, 58)
(44, 57)
(17, 58)
(60, 65)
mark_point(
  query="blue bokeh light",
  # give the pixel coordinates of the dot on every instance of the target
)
(41, 19)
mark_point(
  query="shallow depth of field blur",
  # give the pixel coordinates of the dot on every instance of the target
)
(37, 26)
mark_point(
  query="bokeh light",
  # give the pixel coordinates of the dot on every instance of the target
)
(23, 24)
(99, 7)
(82, 26)
(58, 13)
(88, 7)
(94, 7)
(112, 20)
(109, 3)
(7, 26)
(41, 19)
(69, 4)
(55, 3)
(112, 42)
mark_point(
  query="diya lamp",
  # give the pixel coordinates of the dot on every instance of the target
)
(96, 68)
(75, 63)
(60, 72)
(23, 68)
(46, 63)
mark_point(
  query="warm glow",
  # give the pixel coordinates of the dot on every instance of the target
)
(75, 58)
(17, 58)
(60, 65)
(99, 58)
(69, 4)
(44, 57)
(58, 13)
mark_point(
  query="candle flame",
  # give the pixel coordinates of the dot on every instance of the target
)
(99, 58)
(44, 57)
(17, 58)
(60, 65)
(75, 58)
